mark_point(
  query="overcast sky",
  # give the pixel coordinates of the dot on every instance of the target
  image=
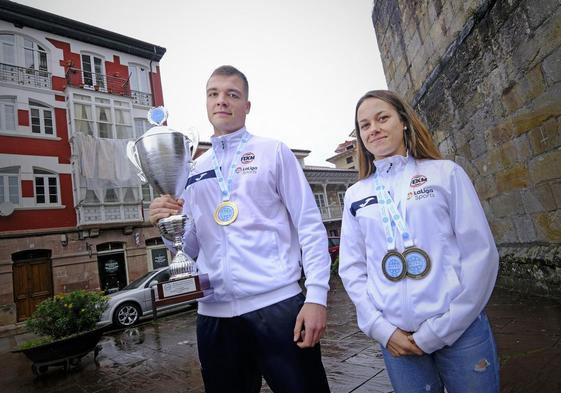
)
(307, 61)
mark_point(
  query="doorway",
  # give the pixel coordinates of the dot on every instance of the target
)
(32, 279)
(112, 271)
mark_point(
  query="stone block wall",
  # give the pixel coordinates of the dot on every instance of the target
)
(486, 77)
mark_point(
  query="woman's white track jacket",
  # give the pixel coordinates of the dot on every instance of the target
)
(446, 219)
(257, 260)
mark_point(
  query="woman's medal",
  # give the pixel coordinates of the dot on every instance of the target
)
(413, 262)
(394, 266)
(418, 262)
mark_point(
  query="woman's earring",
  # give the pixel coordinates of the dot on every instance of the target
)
(405, 139)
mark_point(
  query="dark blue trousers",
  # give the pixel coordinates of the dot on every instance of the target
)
(235, 352)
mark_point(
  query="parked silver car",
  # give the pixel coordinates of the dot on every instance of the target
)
(126, 306)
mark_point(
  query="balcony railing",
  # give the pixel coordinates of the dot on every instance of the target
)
(108, 214)
(25, 76)
(141, 98)
(98, 82)
(331, 212)
(106, 84)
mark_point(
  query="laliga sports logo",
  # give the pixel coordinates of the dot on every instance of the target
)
(417, 181)
(247, 158)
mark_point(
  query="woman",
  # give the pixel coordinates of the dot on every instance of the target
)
(417, 256)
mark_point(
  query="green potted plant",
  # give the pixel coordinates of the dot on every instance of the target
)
(66, 329)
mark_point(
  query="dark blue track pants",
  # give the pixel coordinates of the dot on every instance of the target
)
(236, 352)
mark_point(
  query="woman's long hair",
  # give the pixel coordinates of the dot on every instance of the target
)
(418, 140)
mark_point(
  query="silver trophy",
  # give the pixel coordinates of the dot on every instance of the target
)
(164, 158)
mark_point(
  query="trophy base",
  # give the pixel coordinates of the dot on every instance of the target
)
(183, 289)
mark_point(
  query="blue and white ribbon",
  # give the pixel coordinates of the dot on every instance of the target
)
(226, 185)
(390, 213)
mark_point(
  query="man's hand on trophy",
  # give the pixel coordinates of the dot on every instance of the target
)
(164, 206)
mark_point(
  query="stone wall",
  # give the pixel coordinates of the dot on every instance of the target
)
(486, 77)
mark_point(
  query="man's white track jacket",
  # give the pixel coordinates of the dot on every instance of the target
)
(257, 260)
(446, 219)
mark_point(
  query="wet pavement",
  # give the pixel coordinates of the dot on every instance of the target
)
(161, 356)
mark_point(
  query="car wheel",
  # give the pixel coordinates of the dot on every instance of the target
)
(126, 315)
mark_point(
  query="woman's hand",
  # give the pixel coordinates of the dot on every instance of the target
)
(401, 343)
(164, 206)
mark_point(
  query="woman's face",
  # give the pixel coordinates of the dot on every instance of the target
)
(381, 129)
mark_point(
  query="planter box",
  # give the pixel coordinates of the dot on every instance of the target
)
(65, 352)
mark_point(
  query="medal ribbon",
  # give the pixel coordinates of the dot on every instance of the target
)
(226, 185)
(390, 214)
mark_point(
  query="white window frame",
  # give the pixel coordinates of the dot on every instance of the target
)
(146, 190)
(139, 78)
(141, 125)
(4, 45)
(93, 103)
(46, 175)
(37, 52)
(122, 107)
(151, 247)
(320, 200)
(5, 104)
(19, 47)
(97, 113)
(341, 197)
(97, 77)
(42, 110)
(5, 175)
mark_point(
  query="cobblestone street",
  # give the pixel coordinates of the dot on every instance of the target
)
(161, 356)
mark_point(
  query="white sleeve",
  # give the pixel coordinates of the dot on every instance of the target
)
(297, 196)
(354, 273)
(479, 263)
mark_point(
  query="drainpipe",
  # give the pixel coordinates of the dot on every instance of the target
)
(151, 82)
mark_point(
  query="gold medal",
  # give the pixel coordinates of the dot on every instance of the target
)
(226, 213)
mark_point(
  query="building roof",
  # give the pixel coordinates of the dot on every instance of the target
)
(21, 15)
(340, 155)
(327, 169)
(345, 146)
(327, 175)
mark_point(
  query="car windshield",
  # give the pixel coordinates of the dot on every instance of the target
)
(138, 282)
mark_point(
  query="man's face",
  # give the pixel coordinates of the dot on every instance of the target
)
(226, 103)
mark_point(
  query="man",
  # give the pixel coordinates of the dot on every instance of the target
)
(256, 225)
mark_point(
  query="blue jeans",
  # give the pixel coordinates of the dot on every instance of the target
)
(469, 365)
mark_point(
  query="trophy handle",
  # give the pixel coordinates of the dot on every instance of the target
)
(132, 154)
(193, 137)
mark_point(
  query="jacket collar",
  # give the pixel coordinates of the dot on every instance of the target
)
(228, 139)
(390, 165)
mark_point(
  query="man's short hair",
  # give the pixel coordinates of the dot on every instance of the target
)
(228, 70)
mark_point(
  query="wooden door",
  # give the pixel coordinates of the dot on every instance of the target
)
(33, 283)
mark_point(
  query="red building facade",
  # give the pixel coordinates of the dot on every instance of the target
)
(71, 213)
